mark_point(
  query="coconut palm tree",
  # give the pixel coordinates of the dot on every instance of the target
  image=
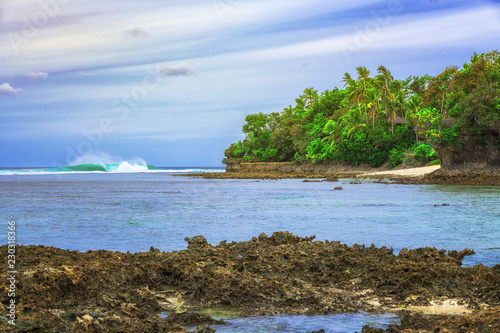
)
(354, 90)
(397, 100)
(413, 105)
(373, 100)
(383, 80)
(309, 97)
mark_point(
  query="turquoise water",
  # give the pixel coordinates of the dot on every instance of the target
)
(121, 167)
(133, 211)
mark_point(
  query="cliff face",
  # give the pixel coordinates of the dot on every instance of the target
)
(289, 170)
(472, 153)
(473, 160)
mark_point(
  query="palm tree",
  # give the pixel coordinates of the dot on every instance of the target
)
(414, 104)
(310, 96)
(363, 73)
(396, 98)
(383, 84)
(354, 90)
(373, 99)
(383, 80)
(288, 112)
(363, 85)
(353, 121)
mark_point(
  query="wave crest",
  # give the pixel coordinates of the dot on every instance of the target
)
(116, 167)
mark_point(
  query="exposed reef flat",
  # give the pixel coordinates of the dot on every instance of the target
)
(434, 174)
(104, 291)
(463, 176)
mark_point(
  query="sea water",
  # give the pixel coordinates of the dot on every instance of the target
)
(132, 210)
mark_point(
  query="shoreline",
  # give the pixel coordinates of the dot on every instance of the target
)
(427, 175)
(277, 274)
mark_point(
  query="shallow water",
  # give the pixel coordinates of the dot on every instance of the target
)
(132, 212)
(299, 323)
(338, 323)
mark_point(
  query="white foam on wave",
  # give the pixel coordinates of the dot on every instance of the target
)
(127, 167)
(103, 158)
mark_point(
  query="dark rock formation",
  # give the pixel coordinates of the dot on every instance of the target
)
(472, 153)
(238, 168)
(474, 159)
(104, 291)
(192, 319)
(484, 321)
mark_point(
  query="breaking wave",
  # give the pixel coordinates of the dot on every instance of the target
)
(103, 163)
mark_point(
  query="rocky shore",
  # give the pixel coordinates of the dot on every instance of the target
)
(428, 175)
(103, 291)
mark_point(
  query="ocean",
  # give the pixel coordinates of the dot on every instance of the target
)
(133, 206)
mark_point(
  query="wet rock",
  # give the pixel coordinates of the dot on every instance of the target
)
(332, 179)
(368, 329)
(192, 319)
(338, 188)
(479, 321)
(105, 291)
(196, 242)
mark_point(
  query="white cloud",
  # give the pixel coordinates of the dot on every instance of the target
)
(7, 90)
(36, 75)
(182, 69)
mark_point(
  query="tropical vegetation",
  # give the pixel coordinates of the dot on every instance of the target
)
(377, 119)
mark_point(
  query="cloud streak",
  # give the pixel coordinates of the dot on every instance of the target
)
(36, 75)
(182, 69)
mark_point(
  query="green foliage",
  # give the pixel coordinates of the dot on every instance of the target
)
(357, 124)
(423, 152)
(396, 156)
(429, 121)
(479, 110)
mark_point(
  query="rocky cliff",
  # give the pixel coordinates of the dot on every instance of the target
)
(236, 166)
(472, 153)
(472, 159)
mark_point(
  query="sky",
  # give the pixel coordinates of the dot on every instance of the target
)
(171, 81)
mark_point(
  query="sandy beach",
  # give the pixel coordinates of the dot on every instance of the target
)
(402, 173)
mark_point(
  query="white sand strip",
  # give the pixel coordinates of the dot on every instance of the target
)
(412, 172)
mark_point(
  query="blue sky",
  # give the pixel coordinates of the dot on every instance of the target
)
(171, 81)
